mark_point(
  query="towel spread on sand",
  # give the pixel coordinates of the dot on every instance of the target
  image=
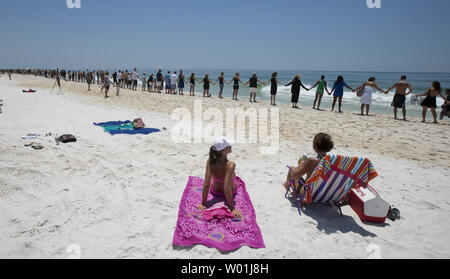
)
(225, 234)
(113, 123)
(144, 131)
(335, 176)
(124, 128)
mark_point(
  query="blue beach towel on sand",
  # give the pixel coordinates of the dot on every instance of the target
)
(119, 128)
(112, 123)
(143, 131)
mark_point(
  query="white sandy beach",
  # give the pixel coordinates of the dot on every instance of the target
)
(118, 196)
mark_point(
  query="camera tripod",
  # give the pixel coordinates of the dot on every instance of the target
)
(57, 82)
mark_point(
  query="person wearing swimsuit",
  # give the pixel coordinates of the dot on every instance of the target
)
(274, 88)
(220, 176)
(221, 80)
(322, 86)
(192, 80)
(206, 82)
(430, 100)
(181, 83)
(366, 98)
(236, 81)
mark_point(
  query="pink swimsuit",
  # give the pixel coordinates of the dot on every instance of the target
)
(217, 194)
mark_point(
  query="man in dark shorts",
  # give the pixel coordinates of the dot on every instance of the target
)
(400, 96)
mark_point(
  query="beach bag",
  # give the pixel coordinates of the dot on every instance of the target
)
(360, 91)
(67, 138)
(369, 205)
(138, 123)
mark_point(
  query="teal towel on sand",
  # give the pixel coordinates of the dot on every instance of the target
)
(118, 127)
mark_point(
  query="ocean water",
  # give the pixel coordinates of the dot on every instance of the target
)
(381, 103)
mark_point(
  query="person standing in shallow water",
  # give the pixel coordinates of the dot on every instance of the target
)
(366, 98)
(274, 88)
(192, 81)
(295, 90)
(322, 86)
(399, 100)
(430, 101)
(206, 86)
(236, 79)
(181, 83)
(338, 90)
(253, 81)
(221, 81)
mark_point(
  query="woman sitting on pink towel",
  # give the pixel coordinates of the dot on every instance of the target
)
(220, 176)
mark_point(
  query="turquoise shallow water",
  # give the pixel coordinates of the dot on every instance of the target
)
(381, 102)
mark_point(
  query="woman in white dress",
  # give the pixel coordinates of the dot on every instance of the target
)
(366, 97)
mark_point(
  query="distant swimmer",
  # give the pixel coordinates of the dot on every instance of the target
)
(399, 100)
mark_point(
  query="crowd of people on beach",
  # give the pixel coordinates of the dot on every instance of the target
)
(171, 81)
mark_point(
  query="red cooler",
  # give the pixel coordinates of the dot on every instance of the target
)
(368, 204)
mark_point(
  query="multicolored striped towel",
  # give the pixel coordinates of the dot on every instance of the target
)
(224, 234)
(335, 176)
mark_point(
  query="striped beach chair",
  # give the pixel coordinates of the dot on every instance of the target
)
(332, 180)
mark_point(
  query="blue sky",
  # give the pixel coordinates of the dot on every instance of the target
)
(403, 36)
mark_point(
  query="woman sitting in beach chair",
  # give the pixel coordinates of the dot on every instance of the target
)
(331, 181)
(322, 144)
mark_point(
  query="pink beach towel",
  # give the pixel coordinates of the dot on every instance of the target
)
(225, 234)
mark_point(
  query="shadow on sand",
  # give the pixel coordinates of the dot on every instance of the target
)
(330, 221)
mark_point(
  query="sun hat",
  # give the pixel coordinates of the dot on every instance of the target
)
(221, 144)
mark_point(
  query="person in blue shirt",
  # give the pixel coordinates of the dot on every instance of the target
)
(338, 90)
